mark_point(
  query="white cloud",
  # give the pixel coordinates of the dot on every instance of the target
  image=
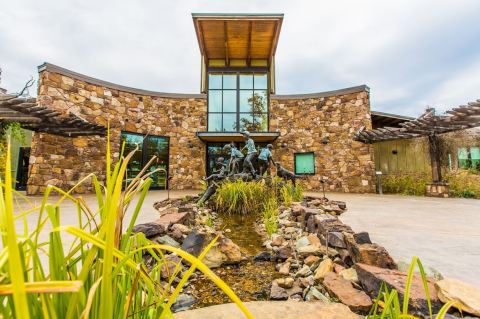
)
(406, 51)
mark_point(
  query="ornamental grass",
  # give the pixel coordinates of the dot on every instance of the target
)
(102, 274)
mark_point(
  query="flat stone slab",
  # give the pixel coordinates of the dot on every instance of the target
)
(272, 310)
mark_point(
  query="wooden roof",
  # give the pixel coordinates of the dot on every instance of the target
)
(459, 118)
(242, 36)
(31, 116)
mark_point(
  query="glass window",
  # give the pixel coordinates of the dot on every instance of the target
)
(260, 81)
(229, 122)
(229, 101)
(215, 81)
(215, 122)
(148, 147)
(246, 101)
(475, 156)
(238, 101)
(246, 122)
(246, 81)
(214, 101)
(229, 81)
(304, 163)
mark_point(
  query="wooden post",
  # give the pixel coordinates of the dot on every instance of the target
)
(434, 146)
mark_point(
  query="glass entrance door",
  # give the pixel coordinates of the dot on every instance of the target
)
(148, 147)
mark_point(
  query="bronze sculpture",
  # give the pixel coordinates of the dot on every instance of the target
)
(236, 158)
(264, 160)
(251, 152)
(286, 174)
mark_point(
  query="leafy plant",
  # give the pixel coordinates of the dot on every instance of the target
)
(102, 274)
(464, 183)
(14, 131)
(387, 303)
(290, 193)
(270, 214)
(405, 184)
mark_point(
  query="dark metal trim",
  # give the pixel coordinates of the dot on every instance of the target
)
(57, 69)
(354, 89)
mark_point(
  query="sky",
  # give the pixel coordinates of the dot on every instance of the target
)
(412, 54)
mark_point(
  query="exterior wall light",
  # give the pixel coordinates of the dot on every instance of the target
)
(325, 140)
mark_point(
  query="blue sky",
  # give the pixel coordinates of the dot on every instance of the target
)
(411, 53)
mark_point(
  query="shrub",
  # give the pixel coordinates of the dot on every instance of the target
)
(102, 274)
(464, 183)
(405, 184)
(270, 214)
(289, 193)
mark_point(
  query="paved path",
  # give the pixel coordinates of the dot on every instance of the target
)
(444, 233)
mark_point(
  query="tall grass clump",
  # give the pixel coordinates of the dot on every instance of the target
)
(387, 304)
(101, 273)
(240, 197)
(270, 215)
(290, 193)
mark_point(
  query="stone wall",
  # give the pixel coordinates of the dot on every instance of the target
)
(64, 161)
(304, 121)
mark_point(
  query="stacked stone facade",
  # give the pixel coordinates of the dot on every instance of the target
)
(63, 161)
(303, 121)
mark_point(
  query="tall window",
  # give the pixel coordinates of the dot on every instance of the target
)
(237, 101)
(148, 147)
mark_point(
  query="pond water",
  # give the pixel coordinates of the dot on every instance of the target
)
(249, 280)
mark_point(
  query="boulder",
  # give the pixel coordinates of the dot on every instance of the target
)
(310, 260)
(404, 265)
(194, 243)
(370, 254)
(349, 274)
(183, 302)
(284, 268)
(335, 239)
(264, 256)
(302, 242)
(277, 240)
(304, 272)
(371, 278)
(173, 218)
(313, 240)
(362, 238)
(150, 229)
(230, 250)
(284, 253)
(272, 310)
(356, 300)
(168, 267)
(167, 240)
(306, 281)
(325, 267)
(314, 294)
(181, 228)
(466, 296)
(214, 258)
(277, 292)
(285, 282)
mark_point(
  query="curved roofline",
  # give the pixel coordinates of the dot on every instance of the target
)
(353, 89)
(57, 69)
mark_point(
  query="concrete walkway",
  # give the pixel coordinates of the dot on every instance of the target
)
(444, 233)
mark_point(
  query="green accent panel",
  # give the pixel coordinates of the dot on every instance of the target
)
(462, 157)
(475, 156)
(304, 163)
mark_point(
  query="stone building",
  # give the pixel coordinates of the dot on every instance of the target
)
(312, 134)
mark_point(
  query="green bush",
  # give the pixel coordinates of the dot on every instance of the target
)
(289, 194)
(464, 183)
(405, 184)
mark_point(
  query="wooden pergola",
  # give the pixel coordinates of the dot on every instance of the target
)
(31, 116)
(429, 124)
